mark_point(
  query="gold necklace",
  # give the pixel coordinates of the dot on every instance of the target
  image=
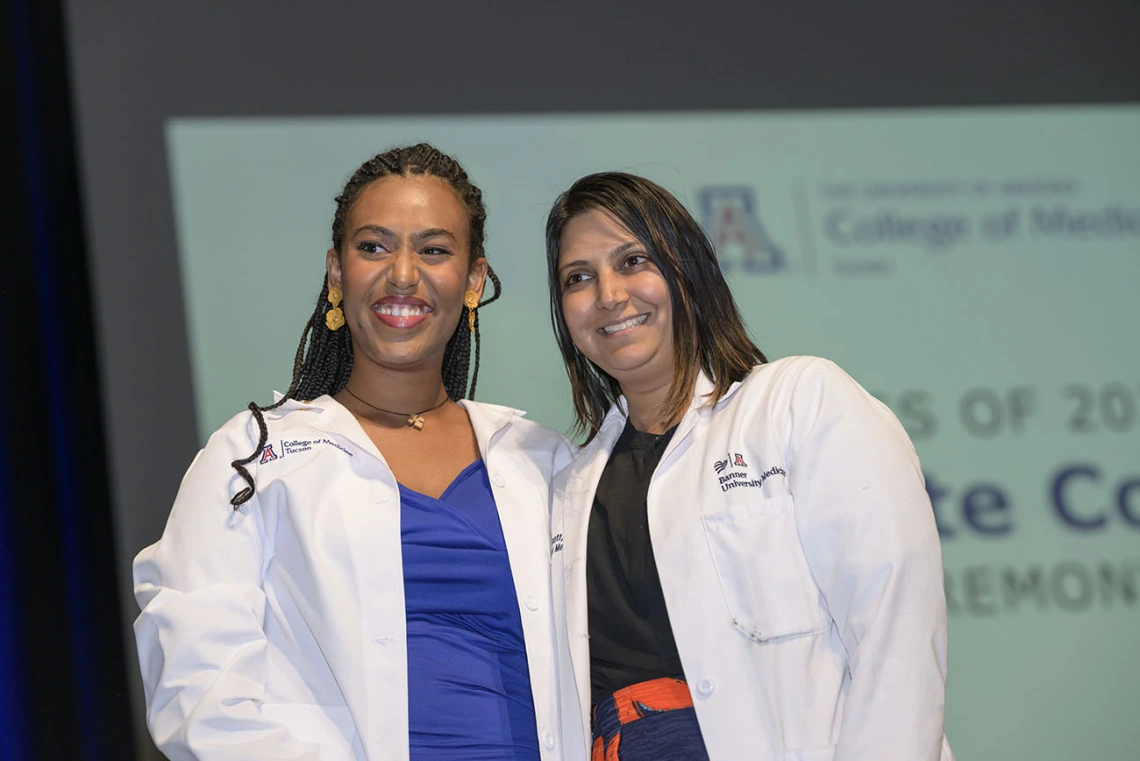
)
(415, 419)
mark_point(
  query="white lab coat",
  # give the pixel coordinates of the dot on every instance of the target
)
(800, 566)
(277, 631)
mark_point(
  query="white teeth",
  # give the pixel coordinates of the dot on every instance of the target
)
(400, 310)
(626, 324)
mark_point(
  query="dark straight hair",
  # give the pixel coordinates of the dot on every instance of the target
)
(708, 332)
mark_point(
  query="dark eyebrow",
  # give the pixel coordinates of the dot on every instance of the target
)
(377, 229)
(435, 232)
(431, 232)
(567, 265)
(622, 249)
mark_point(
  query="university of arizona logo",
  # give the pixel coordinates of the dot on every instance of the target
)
(735, 458)
(732, 222)
(268, 454)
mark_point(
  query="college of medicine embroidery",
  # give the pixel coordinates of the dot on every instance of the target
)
(286, 447)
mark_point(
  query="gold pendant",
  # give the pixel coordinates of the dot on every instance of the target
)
(416, 421)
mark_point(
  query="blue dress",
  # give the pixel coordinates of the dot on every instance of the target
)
(469, 693)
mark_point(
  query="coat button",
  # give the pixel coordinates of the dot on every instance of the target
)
(532, 603)
(548, 740)
(705, 688)
(497, 478)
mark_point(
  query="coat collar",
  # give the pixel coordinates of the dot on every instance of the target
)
(614, 421)
(608, 433)
(487, 420)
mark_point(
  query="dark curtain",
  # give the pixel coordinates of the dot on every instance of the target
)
(62, 680)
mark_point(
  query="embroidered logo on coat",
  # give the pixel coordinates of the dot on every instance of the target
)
(287, 447)
(740, 474)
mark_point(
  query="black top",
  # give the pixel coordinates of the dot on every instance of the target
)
(631, 640)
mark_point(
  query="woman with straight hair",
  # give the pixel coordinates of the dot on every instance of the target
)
(361, 569)
(747, 553)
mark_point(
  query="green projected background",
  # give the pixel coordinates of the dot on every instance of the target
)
(977, 269)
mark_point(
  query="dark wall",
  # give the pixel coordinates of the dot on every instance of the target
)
(134, 65)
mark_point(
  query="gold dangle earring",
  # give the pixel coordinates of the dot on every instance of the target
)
(334, 318)
(471, 301)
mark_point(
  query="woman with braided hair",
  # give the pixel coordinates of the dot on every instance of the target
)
(361, 569)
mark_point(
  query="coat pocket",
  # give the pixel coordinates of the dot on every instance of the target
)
(763, 573)
(327, 731)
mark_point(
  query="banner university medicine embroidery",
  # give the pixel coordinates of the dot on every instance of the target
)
(740, 475)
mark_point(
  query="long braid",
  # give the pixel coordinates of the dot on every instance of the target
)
(498, 292)
(299, 365)
(323, 360)
(456, 360)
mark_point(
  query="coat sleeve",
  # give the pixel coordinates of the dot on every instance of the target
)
(200, 636)
(868, 531)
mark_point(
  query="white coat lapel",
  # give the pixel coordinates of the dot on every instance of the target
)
(521, 490)
(575, 504)
(373, 580)
(520, 502)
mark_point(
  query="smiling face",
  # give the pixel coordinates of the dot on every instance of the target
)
(614, 300)
(404, 266)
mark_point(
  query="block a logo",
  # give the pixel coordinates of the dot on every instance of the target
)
(732, 221)
(267, 454)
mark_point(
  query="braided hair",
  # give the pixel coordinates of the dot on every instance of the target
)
(324, 357)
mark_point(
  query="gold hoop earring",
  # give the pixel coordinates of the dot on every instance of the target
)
(334, 318)
(471, 301)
